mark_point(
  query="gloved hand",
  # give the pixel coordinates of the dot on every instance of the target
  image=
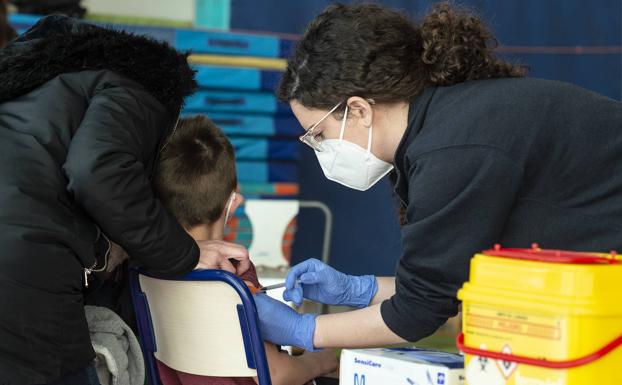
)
(314, 280)
(282, 325)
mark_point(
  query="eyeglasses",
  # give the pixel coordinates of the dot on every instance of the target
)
(309, 138)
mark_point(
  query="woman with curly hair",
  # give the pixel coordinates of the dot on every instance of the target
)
(478, 154)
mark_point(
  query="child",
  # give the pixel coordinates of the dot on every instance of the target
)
(196, 181)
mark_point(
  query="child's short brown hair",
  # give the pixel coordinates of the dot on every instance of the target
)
(196, 172)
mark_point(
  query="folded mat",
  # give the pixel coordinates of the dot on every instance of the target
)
(236, 78)
(208, 101)
(258, 189)
(265, 149)
(271, 171)
(241, 124)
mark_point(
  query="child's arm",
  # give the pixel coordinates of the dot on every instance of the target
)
(292, 370)
(298, 370)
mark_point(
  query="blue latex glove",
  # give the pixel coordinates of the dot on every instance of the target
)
(282, 325)
(321, 283)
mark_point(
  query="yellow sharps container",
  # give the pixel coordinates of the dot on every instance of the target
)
(542, 317)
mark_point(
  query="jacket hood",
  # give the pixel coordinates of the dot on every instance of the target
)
(59, 44)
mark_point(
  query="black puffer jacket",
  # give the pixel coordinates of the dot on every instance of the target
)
(83, 114)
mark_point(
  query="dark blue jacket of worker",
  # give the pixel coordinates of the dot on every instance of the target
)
(511, 161)
(83, 113)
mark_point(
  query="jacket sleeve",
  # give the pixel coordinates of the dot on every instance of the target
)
(106, 169)
(459, 201)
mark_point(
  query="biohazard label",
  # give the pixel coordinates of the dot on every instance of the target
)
(482, 370)
(506, 367)
(513, 332)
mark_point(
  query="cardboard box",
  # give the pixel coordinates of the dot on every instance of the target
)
(400, 366)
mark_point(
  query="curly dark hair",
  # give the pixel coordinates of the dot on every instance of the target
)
(373, 52)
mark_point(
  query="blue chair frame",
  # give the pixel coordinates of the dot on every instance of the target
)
(247, 313)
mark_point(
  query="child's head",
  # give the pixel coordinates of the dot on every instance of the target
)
(195, 177)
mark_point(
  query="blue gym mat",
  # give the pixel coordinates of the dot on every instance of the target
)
(260, 171)
(241, 124)
(235, 101)
(270, 149)
(236, 78)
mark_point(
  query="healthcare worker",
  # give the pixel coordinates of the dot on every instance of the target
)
(478, 155)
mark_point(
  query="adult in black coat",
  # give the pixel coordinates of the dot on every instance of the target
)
(84, 112)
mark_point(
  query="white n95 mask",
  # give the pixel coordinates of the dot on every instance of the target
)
(351, 165)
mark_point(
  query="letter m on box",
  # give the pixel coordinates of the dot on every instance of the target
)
(356, 379)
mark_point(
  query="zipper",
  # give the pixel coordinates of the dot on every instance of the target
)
(87, 271)
(94, 268)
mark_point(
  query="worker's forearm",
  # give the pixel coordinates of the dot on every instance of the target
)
(386, 289)
(354, 329)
